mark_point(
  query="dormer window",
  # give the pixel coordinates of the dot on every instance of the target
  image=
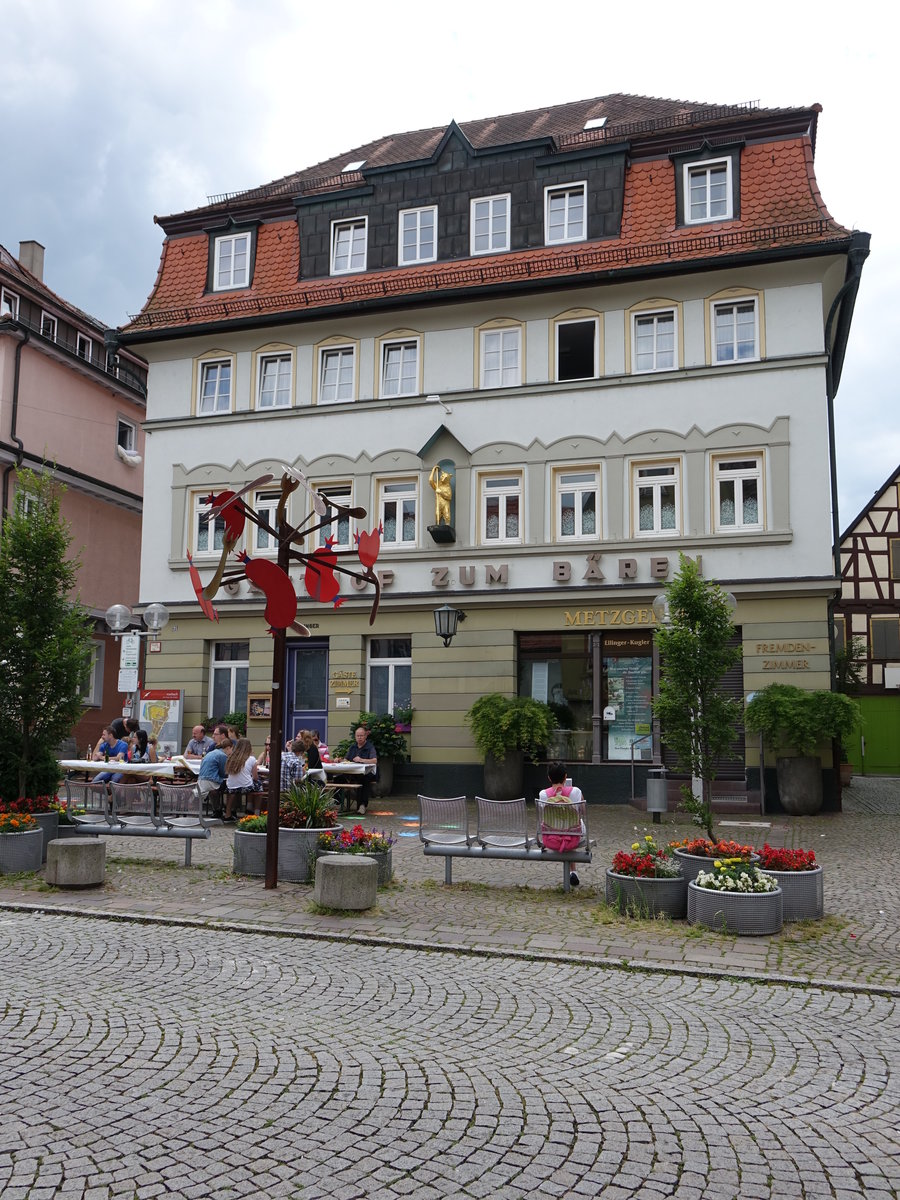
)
(418, 236)
(232, 262)
(565, 213)
(707, 190)
(348, 246)
(9, 303)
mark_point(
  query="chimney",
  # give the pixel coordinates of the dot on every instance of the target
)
(31, 257)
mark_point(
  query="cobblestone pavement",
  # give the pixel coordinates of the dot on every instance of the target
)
(149, 1060)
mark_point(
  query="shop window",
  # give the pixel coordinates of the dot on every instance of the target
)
(229, 672)
(577, 504)
(389, 675)
(501, 507)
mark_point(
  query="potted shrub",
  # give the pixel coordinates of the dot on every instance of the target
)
(305, 812)
(20, 843)
(792, 719)
(44, 810)
(646, 881)
(696, 854)
(506, 729)
(390, 746)
(800, 878)
(735, 897)
(361, 841)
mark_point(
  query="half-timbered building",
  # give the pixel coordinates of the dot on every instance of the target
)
(867, 622)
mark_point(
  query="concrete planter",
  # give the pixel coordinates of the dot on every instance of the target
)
(693, 864)
(296, 853)
(504, 778)
(381, 857)
(803, 894)
(800, 784)
(646, 897)
(249, 856)
(49, 823)
(21, 851)
(745, 913)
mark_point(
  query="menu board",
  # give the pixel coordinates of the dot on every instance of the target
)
(629, 689)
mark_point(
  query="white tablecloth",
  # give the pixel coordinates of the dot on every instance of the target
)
(162, 770)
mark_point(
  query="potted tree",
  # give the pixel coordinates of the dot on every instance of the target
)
(506, 729)
(390, 746)
(791, 719)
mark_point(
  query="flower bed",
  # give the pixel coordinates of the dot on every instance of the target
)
(694, 854)
(21, 841)
(800, 878)
(646, 882)
(736, 897)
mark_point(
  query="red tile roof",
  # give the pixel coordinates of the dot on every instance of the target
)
(781, 209)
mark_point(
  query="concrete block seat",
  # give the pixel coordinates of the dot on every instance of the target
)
(348, 881)
(76, 862)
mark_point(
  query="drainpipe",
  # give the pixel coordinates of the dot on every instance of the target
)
(20, 445)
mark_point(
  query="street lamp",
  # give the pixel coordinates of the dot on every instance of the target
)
(119, 618)
(446, 622)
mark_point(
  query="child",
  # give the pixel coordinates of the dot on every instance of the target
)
(242, 776)
(560, 793)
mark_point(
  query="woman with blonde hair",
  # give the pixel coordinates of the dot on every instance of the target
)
(242, 776)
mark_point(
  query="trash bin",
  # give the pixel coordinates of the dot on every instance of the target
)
(657, 788)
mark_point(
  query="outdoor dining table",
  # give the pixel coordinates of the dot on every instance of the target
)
(158, 770)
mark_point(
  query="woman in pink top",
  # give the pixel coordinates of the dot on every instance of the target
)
(560, 793)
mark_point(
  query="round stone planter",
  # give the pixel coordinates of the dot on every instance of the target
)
(693, 864)
(504, 777)
(646, 897)
(803, 894)
(296, 853)
(745, 913)
(21, 851)
(381, 857)
(49, 823)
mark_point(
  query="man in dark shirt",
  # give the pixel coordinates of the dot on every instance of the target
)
(363, 752)
(124, 727)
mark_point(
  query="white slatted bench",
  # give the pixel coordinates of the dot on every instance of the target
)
(501, 832)
(132, 810)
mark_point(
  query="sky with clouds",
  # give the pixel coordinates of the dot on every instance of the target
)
(116, 110)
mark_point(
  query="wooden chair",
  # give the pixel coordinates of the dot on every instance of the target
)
(501, 823)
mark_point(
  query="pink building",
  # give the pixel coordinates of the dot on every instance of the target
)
(68, 399)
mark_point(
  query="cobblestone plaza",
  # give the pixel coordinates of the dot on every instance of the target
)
(185, 1033)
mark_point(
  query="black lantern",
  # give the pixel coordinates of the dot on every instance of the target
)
(446, 622)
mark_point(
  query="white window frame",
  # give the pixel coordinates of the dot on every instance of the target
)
(233, 277)
(417, 256)
(84, 347)
(329, 393)
(649, 475)
(92, 690)
(644, 316)
(502, 202)
(207, 367)
(201, 525)
(9, 303)
(265, 505)
(396, 388)
(358, 228)
(705, 168)
(730, 469)
(738, 302)
(399, 492)
(595, 321)
(391, 663)
(502, 486)
(282, 394)
(342, 491)
(48, 326)
(233, 665)
(130, 430)
(580, 481)
(500, 376)
(567, 190)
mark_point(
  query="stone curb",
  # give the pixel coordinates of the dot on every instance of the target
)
(569, 959)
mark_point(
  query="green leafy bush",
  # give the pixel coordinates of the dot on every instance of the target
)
(388, 743)
(790, 718)
(503, 723)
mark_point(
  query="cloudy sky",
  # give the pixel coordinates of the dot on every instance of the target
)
(116, 110)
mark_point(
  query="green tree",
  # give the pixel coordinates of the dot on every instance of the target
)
(696, 720)
(45, 638)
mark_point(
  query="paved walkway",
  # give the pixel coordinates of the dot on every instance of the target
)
(521, 909)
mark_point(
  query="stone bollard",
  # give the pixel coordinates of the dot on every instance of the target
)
(347, 881)
(76, 862)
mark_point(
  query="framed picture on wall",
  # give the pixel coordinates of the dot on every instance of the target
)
(259, 706)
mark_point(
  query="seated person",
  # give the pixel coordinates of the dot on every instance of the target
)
(324, 752)
(313, 758)
(112, 749)
(263, 760)
(213, 772)
(292, 764)
(199, 744)
(362, 752)
(242, 776)
(558, 792)
(141, 750)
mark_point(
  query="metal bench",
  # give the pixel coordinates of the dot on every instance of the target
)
(501, 832)
(133, 810)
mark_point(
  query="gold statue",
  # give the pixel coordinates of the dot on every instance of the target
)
(442, 483)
